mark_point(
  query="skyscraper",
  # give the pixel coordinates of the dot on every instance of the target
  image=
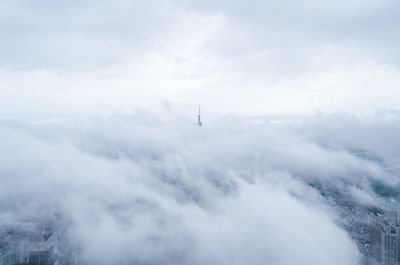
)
(385, 243)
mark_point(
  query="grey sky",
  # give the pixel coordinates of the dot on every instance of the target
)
(252, 57)
(44, 31)
(98, 105)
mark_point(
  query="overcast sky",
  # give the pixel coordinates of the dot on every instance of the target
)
(247, 57)
(98, 105)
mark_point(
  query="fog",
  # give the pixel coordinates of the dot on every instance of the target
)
(101, 155)
(157, 189)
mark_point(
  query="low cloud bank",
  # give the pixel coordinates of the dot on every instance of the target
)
(141, 189)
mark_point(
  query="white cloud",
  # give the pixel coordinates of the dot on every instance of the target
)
(152, 188)
(136, 189)
(149, 188)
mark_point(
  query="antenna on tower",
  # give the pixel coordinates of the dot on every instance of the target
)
(199, 122)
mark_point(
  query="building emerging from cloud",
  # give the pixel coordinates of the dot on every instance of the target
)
(385, 242)
(19, 247)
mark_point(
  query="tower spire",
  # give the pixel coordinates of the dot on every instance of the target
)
(199, 122)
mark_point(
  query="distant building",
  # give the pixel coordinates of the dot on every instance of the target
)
(19, 250)
(377, 250)
(14, 250)
(45, 257)
(385, 243)
(45, 252)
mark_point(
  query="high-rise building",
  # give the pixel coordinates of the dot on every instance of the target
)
(377, 250)
(20, 249)
(385, 243)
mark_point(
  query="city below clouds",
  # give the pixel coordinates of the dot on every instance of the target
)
(104, 160)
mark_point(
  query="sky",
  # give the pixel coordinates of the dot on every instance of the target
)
(252, 58)
(98, 134)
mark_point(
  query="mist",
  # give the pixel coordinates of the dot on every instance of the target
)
(148, 189)
(106, 157)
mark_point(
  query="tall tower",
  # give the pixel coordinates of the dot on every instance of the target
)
(199, 122)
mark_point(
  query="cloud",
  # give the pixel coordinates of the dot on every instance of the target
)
(155, 189)
(97, 135)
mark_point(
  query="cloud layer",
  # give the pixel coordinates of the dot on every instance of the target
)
(97, 137)
(146, 189)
